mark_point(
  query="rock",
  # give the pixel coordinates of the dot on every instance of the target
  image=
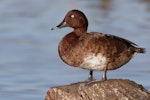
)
(113, 89)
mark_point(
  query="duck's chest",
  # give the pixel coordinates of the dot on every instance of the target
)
(68, 43)
(71, 49)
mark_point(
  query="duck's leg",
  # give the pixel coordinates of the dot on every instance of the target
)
(90, 78)
(104, 77)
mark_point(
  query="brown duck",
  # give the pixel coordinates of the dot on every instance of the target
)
(93, 51)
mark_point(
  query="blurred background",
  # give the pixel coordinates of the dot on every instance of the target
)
(29, 61)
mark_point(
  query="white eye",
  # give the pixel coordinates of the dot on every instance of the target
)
(72, 16)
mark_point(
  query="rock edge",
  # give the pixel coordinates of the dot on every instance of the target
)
(112, 89)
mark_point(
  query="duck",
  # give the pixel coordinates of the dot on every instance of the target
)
(93, 51)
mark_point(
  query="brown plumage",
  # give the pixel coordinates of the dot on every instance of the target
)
(93, 51)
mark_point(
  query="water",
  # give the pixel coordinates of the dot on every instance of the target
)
(29, 61)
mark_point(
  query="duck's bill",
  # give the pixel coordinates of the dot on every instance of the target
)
(55, 28)
(61, 25)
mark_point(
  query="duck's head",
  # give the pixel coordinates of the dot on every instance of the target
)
(75, 19)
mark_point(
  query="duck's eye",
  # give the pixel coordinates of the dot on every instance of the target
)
(72, 16)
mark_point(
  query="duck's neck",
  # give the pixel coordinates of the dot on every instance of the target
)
(80, 31)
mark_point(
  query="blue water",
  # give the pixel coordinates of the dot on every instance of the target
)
(29, 61)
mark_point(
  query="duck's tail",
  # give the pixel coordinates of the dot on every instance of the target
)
(140, 50)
